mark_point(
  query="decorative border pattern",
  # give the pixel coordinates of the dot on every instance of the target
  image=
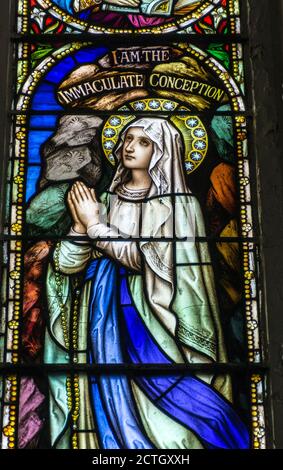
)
(10, 412)
(184, 24)
(185, 21)
(257, 411)
(22, 17)
(15, 249)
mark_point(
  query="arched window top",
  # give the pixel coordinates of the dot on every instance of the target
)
(165, 279)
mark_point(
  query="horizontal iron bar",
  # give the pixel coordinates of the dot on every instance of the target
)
(126, 39)
(98, 369)
(88, 111)
(137, 239)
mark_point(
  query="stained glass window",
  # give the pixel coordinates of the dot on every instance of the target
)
(132, 16)
(130, 300)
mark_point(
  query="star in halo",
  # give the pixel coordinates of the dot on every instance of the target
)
(168, 105)
(199, 132)
(189, 166)
(196, 156)
(154, 104)
(115, 121)
(108, 145)
(139, 106)
(192, 122)
(109, 132)
(200, 145)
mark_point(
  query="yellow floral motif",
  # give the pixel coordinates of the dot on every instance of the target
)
(13, 324)
(11, 378)
(240, 119)
(256, 378)
(246, 227)
(14, 275)
(244, 181)
(242, 136)
(18, 179)
(9, 430)
(20, 135)
(249, 275)
(16, 228)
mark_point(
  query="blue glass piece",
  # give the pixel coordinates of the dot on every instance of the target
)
(107, 436)
(141, 342)
(47, 121)
(33, 174)
(90, 54)
(65, 5)
(84, 15)
(45, 98)
(60, 70)
(35, 140)
(189, 400)
(125, 297)
(119, 404)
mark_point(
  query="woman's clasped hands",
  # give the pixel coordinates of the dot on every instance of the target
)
(84, 207)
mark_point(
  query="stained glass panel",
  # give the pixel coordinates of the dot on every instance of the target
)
(130, 239)
(129, 16)
(154, 396)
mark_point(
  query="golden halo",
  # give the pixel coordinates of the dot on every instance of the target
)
(191, 127)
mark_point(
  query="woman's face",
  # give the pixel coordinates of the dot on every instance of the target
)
(137, 149)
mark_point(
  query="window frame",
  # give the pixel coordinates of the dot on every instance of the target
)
(263, 69)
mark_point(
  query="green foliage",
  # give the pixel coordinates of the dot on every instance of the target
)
(218, 51)
(47, 213)
(222, 134)
(42, 51)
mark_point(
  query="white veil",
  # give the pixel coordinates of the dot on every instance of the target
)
(184, 301)
(166, 163)
(168, 180)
